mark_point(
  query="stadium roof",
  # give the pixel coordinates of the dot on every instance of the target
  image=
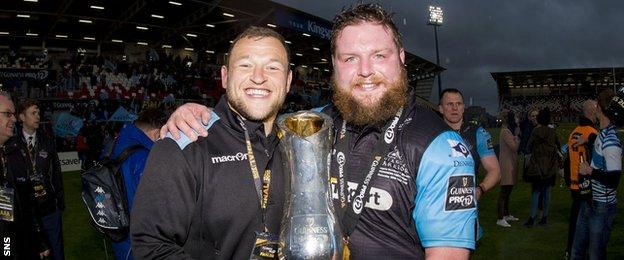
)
(204, 26)
(558, 81)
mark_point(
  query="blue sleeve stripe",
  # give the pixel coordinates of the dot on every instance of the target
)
(319, 109)
(605, 146)
(184, 140)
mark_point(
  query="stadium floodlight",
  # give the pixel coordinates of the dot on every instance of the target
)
(142, 28)
(228, 15)
(62, 36)
(166, 46)
(89, 38)
(32, 34)
(436, 18)
(305, 34)
(23, 15)
(117, 41)
(326, 70)
(288, 42)
(191, 35)
(292, 64)
(157, 16)
(299, 54)
(304, 66)
(315, 68)
(209, 51)
(85, 21)
(316, 48)
(271, 25)
(32, 1)
(96, 7)
(324, 60)
(210, 25)
(436, 15)
(189, 49)
(4, 33)
(175, 3)
(142, 43)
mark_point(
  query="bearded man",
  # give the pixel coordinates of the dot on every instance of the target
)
(402, 180)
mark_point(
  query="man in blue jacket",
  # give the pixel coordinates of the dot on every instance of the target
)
(143, 132)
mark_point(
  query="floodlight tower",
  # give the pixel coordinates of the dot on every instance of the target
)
(436, 18)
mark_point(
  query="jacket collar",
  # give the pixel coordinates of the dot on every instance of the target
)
(233, 121)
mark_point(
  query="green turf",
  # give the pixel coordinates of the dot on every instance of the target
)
(80, 238)
(538, 242)
(517, 242)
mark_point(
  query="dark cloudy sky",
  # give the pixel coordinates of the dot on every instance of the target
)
(479, 37)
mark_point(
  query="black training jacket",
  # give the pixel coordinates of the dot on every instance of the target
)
(47, 165)
(197, 200)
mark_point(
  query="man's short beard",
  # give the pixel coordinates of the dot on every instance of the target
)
(385, 108)
(243, 110)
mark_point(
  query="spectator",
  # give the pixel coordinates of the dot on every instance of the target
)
(509, 143)
(543, 166)
(143, 132)
(580, 144)
(19, 223)
(596, 216)
(46, 177)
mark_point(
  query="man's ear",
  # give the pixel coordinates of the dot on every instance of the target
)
(224, 74)
(402, 56)
(288, 80)
(154, 134)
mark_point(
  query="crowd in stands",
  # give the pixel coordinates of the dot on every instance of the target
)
(31, 60)
(564, 108)
(94, 86)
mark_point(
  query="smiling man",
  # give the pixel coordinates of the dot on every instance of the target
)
(20, 226)
(402, 179)
(209, 199)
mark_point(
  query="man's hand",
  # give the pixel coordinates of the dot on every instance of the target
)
(585, 169)
(578, 141)
(44, 254)
(186, 119)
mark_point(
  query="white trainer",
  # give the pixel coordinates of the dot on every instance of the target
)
(510, 218)
(502, 223)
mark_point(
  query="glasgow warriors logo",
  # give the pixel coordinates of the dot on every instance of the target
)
(458, 149)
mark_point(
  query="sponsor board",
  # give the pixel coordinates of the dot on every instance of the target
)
(69, 161)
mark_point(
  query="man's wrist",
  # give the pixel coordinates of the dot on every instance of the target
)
(480, 187)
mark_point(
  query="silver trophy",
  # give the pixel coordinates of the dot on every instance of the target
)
(309, 226)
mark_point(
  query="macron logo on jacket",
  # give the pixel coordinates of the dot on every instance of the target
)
(230, 158)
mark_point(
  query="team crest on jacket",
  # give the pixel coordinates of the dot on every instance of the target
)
(458, 149)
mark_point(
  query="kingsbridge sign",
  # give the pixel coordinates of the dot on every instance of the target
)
(303, 23)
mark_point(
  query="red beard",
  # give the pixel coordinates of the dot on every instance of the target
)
(385, 108)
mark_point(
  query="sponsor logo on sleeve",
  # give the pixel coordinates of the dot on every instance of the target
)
(458, 149)
(460, 194)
